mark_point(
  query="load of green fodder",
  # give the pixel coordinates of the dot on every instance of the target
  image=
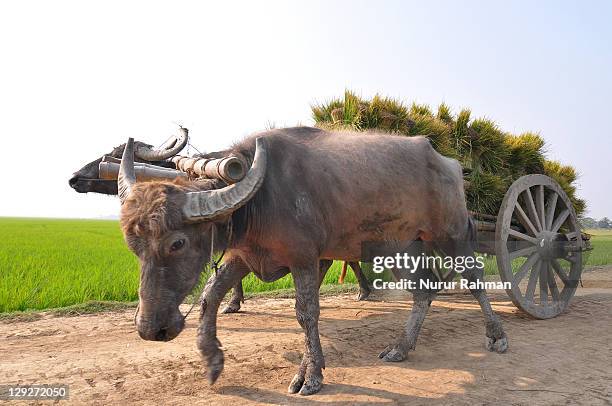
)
(492, 158)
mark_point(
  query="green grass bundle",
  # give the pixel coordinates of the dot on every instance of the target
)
(526, 154)
(436, 130)
(565, 176)
(461, 135)
(488, 148)
(494, 158)
(444, 113)
(485, 192)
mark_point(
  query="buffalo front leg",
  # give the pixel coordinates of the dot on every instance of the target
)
(237, 297)
(364, 286)
(309, 378)
(324, 266)
(215, 290)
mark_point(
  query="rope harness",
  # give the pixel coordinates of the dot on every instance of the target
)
(212, 264)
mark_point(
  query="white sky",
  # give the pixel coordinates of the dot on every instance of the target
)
(77, 78)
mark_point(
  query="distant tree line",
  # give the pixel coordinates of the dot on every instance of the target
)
(588, 222)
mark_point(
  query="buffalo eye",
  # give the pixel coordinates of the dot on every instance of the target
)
(177, 245)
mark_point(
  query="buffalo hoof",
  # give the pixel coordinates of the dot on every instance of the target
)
(305, 386)
(231, 308)
(296, 384)
(499, 345)
(214, 361)
(393, 353)
(312, 385)
(215, 366)
(363, 295)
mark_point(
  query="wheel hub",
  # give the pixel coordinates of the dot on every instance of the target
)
(548, 245)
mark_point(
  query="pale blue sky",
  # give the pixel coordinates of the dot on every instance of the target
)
(77, 79)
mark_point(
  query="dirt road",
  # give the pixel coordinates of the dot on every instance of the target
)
(566, 360)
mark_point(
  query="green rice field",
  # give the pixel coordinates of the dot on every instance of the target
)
(49, 263)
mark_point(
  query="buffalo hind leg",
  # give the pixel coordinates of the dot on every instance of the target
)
(237, 297)
(406, 342)
(496, 339)
(398, 351)
(215, 290)
(309, 378)
(364, 286)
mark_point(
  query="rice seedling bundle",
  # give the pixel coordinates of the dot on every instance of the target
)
(492, 158)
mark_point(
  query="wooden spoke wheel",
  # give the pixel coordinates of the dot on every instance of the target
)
(538, 246)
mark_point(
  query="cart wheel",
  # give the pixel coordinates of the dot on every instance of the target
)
(538, 246)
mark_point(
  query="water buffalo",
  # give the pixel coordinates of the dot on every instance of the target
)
(309, 195)
(87, 180)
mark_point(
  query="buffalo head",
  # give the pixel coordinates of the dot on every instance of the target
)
(169, 226)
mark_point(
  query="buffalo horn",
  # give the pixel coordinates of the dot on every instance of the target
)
(126, 177)
(209, 204)
(169, 149)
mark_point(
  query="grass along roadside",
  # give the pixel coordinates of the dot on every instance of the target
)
(601, 240)
(54, 263)
(49, 263)
(94, 306)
